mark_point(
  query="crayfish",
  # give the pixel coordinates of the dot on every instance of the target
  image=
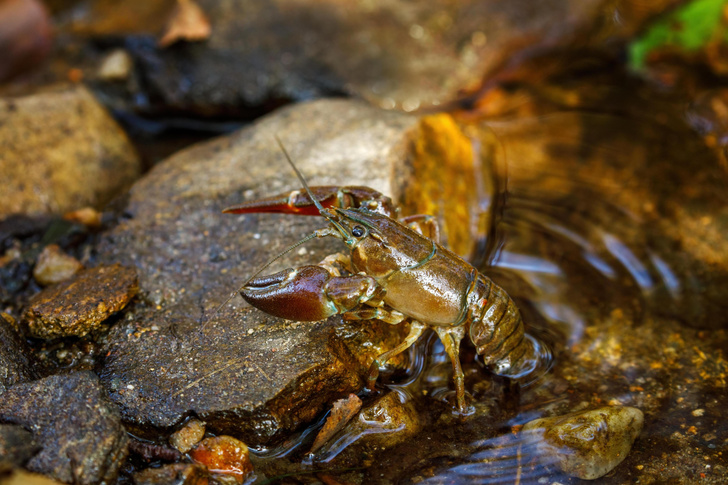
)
(396, 271)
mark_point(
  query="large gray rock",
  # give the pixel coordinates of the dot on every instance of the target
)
(78, 429)
(242, 372)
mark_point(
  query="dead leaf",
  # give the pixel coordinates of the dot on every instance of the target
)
(188, 22)
(341, 414)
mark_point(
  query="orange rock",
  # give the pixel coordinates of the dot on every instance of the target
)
(225, 455)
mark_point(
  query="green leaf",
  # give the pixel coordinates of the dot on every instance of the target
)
(688, 28)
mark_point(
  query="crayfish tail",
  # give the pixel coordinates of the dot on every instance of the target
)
(499, 335)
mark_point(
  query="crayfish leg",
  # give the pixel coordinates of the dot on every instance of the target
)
(416, 329)
(424, 224)
(337, 264)
(450, 338)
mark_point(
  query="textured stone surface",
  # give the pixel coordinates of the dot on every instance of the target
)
(80, 305)
(16, 446)
(242, 372)
(61, 151)
(70, 417)
(588, 444)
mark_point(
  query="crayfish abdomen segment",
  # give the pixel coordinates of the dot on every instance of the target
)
(498, 333)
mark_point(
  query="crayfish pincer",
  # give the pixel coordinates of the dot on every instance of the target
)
(395, 271)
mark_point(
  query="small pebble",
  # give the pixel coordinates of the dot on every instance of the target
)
(116, 66)
(54, 266)
(587, 444)
(188, 436)
(87, 216)
(225, 455)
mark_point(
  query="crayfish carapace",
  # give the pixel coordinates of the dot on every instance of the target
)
(396, 270)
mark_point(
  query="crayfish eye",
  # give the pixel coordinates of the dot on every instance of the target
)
(358, 231)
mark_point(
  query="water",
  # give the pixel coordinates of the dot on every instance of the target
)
(609, 280)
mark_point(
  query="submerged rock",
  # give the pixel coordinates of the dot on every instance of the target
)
(80, 305)
(176, 474)
(70, 417)
(588, 444)
(387, 421)
(61, 151)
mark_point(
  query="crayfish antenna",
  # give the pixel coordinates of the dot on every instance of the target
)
(319, 233)
(300, 176)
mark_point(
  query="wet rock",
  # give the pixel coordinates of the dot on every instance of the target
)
(397, 54)
(16, 363)
(79, 430)
(25, 36)
(177, 474)
(54, 266)
(79, 306)
(341, 414)
(224, 455)
(241, 371)
(61, 151)
(589, 444)
(16, 446)
(383, 423)
(188, 436)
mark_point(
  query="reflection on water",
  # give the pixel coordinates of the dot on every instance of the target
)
(504, 459)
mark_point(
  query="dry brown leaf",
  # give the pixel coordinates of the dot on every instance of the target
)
(341, 414)
(188, 22)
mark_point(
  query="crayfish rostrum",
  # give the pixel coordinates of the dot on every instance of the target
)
(396, 271)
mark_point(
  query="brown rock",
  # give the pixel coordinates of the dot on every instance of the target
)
(79, 306)
(54, 266)
(61, 151)
(341, 414)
